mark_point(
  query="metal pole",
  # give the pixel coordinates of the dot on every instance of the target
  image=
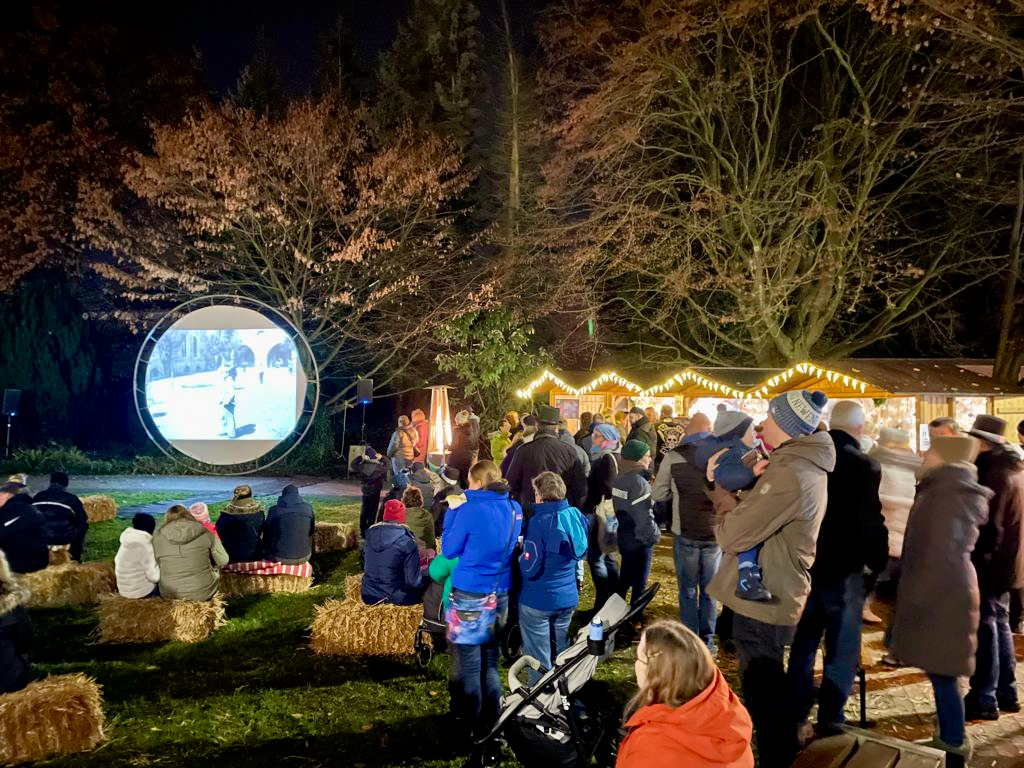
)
(7, 448)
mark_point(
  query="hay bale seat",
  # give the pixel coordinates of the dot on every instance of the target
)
(60, 554)
(334, 537)
(242, 584)
(155, 619)
(57, 716)
(58, 586)
(99, 508)
(349, 627)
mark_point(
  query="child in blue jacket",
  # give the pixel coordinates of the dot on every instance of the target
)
(734, 434)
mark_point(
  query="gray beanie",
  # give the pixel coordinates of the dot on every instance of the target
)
(731, 424)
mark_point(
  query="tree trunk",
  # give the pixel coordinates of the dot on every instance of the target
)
(1009, 352)
(512, 205)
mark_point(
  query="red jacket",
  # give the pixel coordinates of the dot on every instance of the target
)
(711, 731)
(422, 433)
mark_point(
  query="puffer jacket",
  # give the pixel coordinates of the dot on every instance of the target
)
(66, 521)
(634, 507)
(391, 571)
(482, 535)
(289, 528)
(679, 478)
(403, 444)
(188, 556)
(554, 540)
(241, 527)
(23, 535)
(783, 512)
(15, 632)
(900, 468)
(135, 564)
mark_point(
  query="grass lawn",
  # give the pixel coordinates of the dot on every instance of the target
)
(254, 695)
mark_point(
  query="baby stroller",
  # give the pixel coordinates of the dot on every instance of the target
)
(558, 722)
(431, 639)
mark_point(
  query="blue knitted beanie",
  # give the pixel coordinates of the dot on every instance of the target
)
(798, 413)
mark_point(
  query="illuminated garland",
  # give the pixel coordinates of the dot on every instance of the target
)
(807, 369)
(527, 392)
(683, 377)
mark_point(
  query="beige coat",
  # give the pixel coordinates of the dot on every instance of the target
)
(188, 554)
(900, 468)
(783, 512)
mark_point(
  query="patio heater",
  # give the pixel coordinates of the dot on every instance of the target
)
(440, 436)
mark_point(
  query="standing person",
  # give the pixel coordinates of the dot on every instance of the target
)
(783, 514)
(944, 426)
(936, 621)
(402, 450)
(462, 447)
(587, 441)
(641, 428)
(229, 426)
(586, 419)
(372, 474)
(241, 527)
(684, 714)
(999, 560)
(23, 533)
(422, 427)
(581, 456)
(500, 441)
(512, 417)
(670, 432)
(554, 541)
(482, 536)
(135, 566)
(526, 433)
(290, 526)
(476, 432)
(66, 521)
(634, 509)
(852, 541)
(189, 557)
(604, 468)
(695, 551)
(15, 632)
(546, 453)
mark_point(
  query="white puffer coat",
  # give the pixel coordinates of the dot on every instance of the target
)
(900, 467)
(135, 564)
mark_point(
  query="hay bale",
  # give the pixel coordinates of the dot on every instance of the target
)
(57, 586)
(57, 716)
(354, 587)
(155, 619)
(352, 628)
(334, 537)
(60, 554)
(99, 508)
(242, 584)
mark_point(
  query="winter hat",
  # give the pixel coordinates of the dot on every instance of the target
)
(200, 512)
(637, 410)
(731, 424)
(59, 478)
(462, 418)
(956, 450)
(371, 454)
(797, 413)
(243, 492)
(635, 450)
(147, 523)
(894, 436)
(548, 414)
(608, 432)
(15, 483)
(394, 511)
(450, 475)
(989, 428)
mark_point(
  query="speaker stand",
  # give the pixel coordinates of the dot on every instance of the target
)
(362, 428)
(7, 446)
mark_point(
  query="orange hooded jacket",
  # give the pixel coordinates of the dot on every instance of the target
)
(712, 730)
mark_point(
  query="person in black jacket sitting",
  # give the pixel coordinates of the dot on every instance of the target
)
(22, 528)
(392, 572)
(66, 521)
(15, 632)
(289, 533)
(241, 527)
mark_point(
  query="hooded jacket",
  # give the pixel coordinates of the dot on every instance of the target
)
(711, 730)
(403, 443)
(999, 555)
(935, 626)
(289, 528)
(187, 555)
(555, 539)
(634, 507)
(482, 534)
(499, 446)
(66, 521)
(900, 468)
(241, 528)
(391, 571)
(371, 473)
(679, 478)
(15, 632)
(645, 432)
(23, 535)
(135, 564)
(546, 453)
(783, 512)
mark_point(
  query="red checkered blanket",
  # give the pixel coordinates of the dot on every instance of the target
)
(268, 568)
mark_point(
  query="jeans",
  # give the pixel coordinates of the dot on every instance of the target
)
(993, 679)
(636, 567)
(834, 612)
(696, 565)
(545, 635)
(760, 648)
(604, 570)
(473, 678)
(949, 708)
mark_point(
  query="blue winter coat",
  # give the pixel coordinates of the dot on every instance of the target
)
(391, 569)
(289, 534)
(730, 473)
(479, 535)
(555, 540)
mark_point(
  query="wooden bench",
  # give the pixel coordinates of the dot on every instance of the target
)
(858, 749)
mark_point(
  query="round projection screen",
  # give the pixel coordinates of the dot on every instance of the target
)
(226, 385)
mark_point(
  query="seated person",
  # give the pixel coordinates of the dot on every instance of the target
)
(427, 481)
(23, 533)
(66, 521)
(289, 534)
(201, 513)
(135, 566)
(189, 557)
(241, 526)
(684, 713)
(417, 519)
(15, 632)
(392, 572)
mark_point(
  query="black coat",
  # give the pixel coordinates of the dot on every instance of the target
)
(603, 472)
(546, 453)
(371, 474)
(464, 445)
(15, 650)
(23, 535)
(853, 533)
(645, 432)
(998, 554)
(66, 521)
(241, 533)
(289, 533)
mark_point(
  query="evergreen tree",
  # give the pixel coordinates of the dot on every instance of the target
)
(259, 86)
(339, 75)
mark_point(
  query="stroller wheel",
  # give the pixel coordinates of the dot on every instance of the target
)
(512, 642)
(424, 650)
